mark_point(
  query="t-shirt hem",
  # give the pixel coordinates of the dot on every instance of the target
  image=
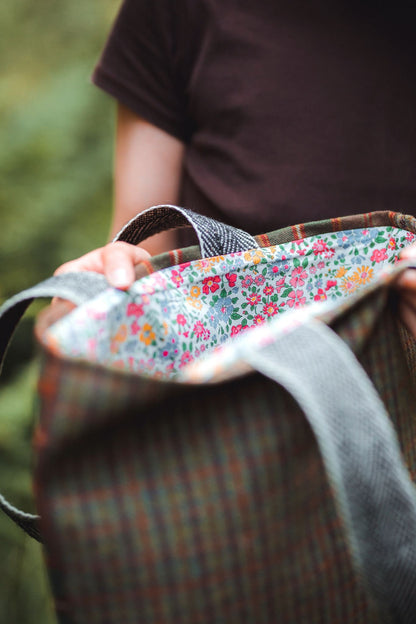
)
(116, 89)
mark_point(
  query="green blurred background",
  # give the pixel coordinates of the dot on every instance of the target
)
(56, 136)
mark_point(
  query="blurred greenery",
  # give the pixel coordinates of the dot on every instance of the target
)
(55, 200)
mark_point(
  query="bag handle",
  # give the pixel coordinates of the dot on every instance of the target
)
(215, 238)
(362, 458)
(75, 287)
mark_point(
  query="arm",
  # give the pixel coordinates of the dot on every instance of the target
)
(147, 172)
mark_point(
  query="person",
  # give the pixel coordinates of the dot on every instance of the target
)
(260, 114)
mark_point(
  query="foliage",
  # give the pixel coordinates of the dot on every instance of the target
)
(55, 202)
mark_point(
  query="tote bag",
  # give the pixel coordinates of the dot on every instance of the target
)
(233, 439)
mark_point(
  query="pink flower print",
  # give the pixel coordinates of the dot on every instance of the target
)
(134, 309)
(199, 329)
(320, 296)
(321, 265)
(319, 247)
(259, 279)
(328, 254)
(392, 243)
(312, 270)
(236, 329)
(279, 284)
(253, 299)
(410, 237)
(118, 364)
(210, 284)
(330, 284)
(159, 279)
(231, 279)
(176, 278)
(296, 299)
(135, 328)
(268, 290)
(180, 319)
(92, 345)
(97, 315)
(258, 320)
(247, 281)
(184, 266)
(298, 277)
(270, 309)
(185, 359)
(379, 255)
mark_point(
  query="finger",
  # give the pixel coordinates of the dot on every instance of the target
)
(119, 260)
(407, 281)
(92, 261)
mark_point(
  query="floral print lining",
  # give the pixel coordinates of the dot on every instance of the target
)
(172, 317)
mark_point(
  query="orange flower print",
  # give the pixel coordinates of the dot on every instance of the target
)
(147, 334)
(348, 286)
(362, 275)
(195, 303)
(255, 256)
(118, 338)
(204, 266)
(195, 291)
(341, 272)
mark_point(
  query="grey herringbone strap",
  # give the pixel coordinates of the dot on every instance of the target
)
(215, 238)
(361, 454)
(75, 287)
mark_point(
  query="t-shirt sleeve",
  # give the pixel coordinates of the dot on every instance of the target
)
(138, 65)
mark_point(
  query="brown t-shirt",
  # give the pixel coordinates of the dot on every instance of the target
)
(291, 111)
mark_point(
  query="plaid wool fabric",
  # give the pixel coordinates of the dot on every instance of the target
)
(170, 503)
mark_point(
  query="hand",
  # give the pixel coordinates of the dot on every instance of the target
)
(116, 261)
(407, 286)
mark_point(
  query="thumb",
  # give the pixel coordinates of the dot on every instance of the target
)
(119, 260)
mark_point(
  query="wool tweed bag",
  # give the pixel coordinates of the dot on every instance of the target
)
(233, 440)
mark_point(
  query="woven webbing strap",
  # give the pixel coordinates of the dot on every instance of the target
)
(362, 458)
(75, 287)
(215, 238)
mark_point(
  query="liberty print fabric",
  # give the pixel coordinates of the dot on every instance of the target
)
(174, 316)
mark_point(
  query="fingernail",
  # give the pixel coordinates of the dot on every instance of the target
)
(119, 278)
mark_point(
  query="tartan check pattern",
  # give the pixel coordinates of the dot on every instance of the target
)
(206, 504)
